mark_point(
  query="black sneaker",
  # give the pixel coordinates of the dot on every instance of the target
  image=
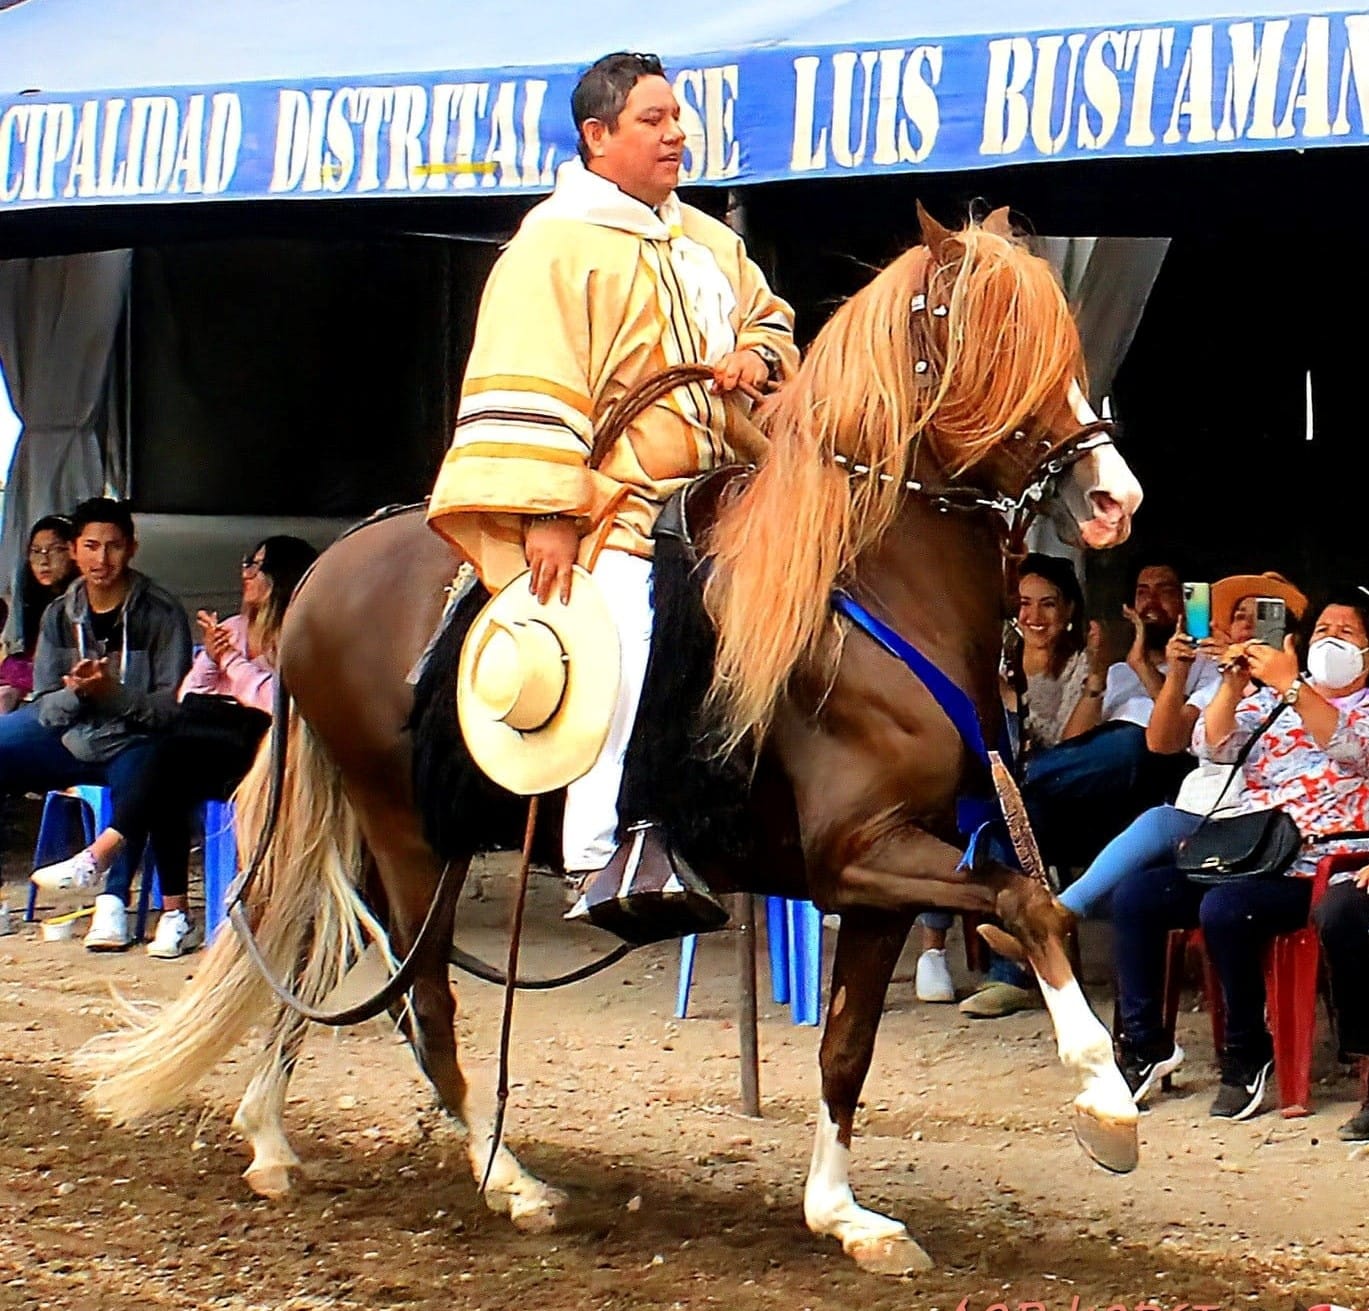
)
(1356, 1128)
(1242, 1092)
(1143, 1073)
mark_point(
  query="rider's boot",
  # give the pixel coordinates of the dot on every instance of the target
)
(647, 893)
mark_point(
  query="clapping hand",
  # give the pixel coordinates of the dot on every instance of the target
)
(218, 642)
(1137, 655)
(90, 679)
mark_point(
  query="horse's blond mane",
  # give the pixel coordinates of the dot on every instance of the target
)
(1012, 350)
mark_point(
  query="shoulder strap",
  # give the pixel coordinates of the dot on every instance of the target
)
(1244, 755)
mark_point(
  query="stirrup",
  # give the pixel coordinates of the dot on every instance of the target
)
(647, 893)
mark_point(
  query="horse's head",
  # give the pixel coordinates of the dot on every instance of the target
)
(995, 338)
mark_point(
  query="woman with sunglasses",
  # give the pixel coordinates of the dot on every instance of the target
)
(224, 711)
(49, 573)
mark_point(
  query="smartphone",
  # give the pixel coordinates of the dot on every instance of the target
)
(1271, 620)
(1198, 610)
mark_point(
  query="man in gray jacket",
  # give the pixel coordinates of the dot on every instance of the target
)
(111, 654)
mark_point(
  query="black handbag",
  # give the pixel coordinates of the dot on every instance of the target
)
(1262, 844)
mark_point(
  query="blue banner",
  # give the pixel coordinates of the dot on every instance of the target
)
(756, 116)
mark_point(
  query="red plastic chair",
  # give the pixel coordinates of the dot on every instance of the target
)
(1292, 968)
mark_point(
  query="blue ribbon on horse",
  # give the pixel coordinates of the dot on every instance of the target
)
(975, 815)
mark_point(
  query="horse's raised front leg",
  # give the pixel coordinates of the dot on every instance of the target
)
(913, 870)
(867, 951)
(409, 874)
(260, 1116)
(1104, 1113)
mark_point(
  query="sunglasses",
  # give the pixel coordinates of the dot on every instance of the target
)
(252, 567)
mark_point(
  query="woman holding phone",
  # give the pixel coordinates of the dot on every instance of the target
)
(1154, 834)
(1311, 761)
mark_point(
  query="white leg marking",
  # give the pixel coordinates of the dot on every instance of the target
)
(260, 1119)
(1105, 1116)
(876, 1241)
(532, 1205)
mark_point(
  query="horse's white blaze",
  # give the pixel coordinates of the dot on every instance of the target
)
(829, 1206)
(512, 1190)
(1079, 404)
(1085, 1048)
(260, 1118)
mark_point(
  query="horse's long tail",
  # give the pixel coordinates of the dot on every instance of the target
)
(307, 916)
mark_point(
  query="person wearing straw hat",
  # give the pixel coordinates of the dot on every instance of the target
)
(606, 283)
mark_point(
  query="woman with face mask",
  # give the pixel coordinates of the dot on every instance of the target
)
(1154, 834)
(1311, 762)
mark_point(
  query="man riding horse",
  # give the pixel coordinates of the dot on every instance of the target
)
(608, 281)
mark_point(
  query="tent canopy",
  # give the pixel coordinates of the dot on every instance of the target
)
(137, 101)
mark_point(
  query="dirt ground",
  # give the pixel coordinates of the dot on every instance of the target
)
(678, 1200)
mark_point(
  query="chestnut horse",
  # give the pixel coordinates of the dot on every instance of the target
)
(957, 368)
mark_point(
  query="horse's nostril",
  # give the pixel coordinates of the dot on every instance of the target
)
(1106, 507)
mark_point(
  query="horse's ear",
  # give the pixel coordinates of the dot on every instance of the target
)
(934, 236)
(998, 224)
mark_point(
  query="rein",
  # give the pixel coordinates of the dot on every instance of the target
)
(399, 982)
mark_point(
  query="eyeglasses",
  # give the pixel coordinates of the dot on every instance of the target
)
(252, 567)
(47, 552)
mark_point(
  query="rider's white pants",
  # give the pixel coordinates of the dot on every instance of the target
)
(588, 837)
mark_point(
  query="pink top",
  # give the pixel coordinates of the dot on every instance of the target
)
(251, 682)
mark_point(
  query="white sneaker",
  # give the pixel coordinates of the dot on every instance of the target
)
(109, 925)
(934, 977)
(78, 871)
(175, 936)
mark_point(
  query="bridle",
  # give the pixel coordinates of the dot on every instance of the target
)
(1015, 513)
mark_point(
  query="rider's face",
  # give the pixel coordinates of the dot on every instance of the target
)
(642, 154)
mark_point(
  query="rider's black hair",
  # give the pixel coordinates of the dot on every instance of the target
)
(604, 87)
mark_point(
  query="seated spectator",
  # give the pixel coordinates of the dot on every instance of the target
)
(1154, 834)
(50, 571)
(1047, 678)
(1082, 792)
(111, 653)
(1313, 763)
(1342, 920)
(210, 741)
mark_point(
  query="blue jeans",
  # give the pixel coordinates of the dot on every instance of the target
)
(1149, 840)
(33, 759)
(1082, 793)
(1238, 921)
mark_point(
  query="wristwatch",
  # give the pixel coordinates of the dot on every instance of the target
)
(1290, 697)
(771, 359)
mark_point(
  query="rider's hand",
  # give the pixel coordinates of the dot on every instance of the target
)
(742, 370)
(550, 547)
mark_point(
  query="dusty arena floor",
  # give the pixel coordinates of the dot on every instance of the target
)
(679, 1201)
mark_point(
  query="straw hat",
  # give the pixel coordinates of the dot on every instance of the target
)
(537, 684)
(1228, 593)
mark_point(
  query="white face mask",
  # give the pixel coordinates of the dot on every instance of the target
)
(1333, 662)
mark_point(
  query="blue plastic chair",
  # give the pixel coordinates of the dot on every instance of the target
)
(220, 862)
(54, 844)
(793, 931)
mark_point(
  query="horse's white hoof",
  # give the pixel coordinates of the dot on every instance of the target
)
(1109, 1139)
(269, 1181)
(895, 1254)
(538, 1215)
